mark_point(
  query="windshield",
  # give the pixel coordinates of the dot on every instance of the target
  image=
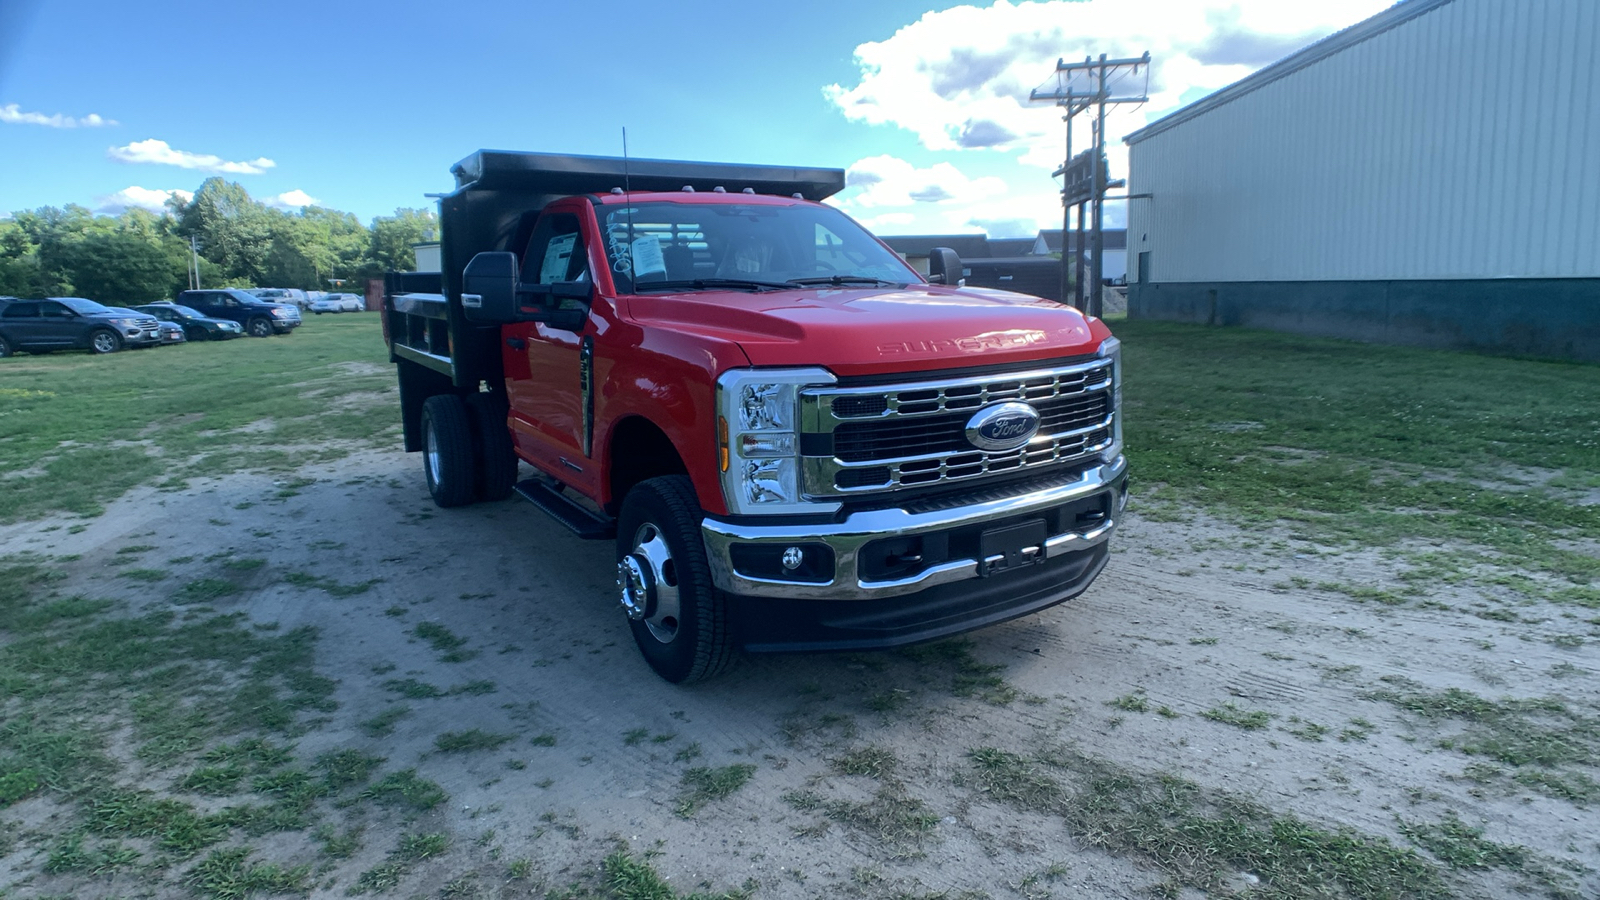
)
(83, 307)
(676, 244)
(186, 312)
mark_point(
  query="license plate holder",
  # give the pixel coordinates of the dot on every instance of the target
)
(1008, 543)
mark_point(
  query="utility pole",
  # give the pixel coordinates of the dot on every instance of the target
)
(194, 262)
(1084, 179)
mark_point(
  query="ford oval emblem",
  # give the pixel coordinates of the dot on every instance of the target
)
(1003, 426)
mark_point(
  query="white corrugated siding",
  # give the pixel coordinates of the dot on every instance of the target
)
(1464, 143)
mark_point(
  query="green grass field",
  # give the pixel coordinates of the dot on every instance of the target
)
(78, 431)
(166, 737)
(1453, 459)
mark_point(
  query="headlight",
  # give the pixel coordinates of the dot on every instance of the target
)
(1111, 348)
(127, 323)
(280, 312)
(758, 440)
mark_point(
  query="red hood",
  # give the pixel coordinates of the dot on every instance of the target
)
(873, 331)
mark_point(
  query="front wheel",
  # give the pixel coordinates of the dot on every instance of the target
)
(678, 617)
(447, 455)
(104, 342)
(5, 348)
(259, 327)
(196, 334)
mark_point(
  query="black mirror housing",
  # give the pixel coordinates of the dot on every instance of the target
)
(944, 266)
(491, 295)
(489, 289)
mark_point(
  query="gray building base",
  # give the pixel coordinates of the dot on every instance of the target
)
(1558, 318)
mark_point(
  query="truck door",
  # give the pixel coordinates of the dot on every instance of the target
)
(543, 364)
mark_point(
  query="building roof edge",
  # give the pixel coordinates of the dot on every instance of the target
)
(1401, 12)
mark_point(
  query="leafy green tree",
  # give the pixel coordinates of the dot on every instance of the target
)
(120, 267)
(392, 237)
(19, 262)
(235, 230)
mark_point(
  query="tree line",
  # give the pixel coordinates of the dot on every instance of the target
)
(141, 256)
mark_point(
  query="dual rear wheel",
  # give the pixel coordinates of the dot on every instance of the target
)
(466, 453)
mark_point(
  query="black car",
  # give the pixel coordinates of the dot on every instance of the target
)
(196, 327)
(71, 323)
(258, 317)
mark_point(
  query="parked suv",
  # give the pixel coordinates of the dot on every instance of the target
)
(71, 323)
(259, 318)
(196, 327)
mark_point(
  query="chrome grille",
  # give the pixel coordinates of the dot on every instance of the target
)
(865, 439)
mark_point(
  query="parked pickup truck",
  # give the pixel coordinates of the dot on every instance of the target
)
(258, 318)
(796, 442)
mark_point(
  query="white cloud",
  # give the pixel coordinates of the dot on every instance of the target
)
(960, 78)
(160, 153)
(891, 181)
(294, 199)
(12, 114)
(134, 196)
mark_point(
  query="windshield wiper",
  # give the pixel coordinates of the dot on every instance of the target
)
(711, 284)
(837, 280)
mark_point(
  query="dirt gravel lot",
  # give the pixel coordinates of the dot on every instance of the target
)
(1203, 695)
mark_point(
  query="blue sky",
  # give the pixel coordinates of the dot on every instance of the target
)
(364, 106)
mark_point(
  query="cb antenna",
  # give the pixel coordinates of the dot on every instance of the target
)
(627, 197)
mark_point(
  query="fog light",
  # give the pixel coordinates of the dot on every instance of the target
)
(792, 558)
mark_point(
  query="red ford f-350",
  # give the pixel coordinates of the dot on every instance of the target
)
(796, 441)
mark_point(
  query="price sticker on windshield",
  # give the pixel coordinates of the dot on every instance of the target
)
(647, 257)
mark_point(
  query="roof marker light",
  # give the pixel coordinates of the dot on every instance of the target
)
(797, 196)
(719, 189)
(748, 191)
(617, 191)
(688, 189)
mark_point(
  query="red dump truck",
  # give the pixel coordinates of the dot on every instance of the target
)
(796, 442)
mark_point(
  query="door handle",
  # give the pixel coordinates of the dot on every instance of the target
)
(516, 343)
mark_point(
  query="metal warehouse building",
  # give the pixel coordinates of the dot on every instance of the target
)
(1430, 176)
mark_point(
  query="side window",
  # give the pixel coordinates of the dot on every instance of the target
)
(52, 310)
(21, 311)
(555, 251)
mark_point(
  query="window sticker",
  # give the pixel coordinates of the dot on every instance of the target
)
(557, 254)
(647, 258)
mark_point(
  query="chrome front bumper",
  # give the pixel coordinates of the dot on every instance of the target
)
(847, 538)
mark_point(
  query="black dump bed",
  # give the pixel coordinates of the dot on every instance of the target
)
(497, 196)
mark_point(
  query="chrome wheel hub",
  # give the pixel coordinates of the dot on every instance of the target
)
(635, 585)
(647, 579)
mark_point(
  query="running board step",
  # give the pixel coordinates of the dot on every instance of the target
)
(585, 523)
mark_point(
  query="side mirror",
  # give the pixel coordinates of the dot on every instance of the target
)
(491, 295)
(944, 266)
(489, 289)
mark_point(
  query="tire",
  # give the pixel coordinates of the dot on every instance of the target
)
(678, 617)
(5, 348)
(260, 326)
(447, 454)
(104, 341)
(497, 458)
(197, 334)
